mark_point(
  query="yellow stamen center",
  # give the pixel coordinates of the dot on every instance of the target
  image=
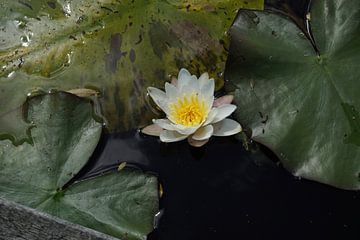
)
(188, 110)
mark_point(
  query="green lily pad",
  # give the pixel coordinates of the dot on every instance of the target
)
(118, 47)
(39, 174)
(303, 106)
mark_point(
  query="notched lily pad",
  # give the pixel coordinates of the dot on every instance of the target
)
(39, 174)
(300, 101)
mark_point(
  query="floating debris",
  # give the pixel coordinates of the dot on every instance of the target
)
(121, 166)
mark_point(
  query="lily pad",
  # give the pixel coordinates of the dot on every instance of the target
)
(40, 174)
(118, 47)
(300, 101)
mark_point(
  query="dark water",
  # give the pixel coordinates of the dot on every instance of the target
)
(222, 191)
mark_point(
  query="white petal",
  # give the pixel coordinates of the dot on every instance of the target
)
(159, 98)
(152, 130)
(156, 94)
(203, 79)
(171, 91)
(212, 114)
(196, 143)
(186, 79)
(192, 86)
(209, 102)
(227, 99)
(164, 123)
(183, 73)
(203, 133)
(226, 127)
(185, 130)
(223, 111)
(171, 136)
(183, 78)
(207, 90)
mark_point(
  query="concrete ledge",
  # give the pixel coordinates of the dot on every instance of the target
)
(18, 222)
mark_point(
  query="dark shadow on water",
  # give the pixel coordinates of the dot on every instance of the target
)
(222, 191)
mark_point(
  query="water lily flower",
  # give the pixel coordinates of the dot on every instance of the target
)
(191, 111)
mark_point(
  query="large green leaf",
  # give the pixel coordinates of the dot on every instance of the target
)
(118, 47)
(64, 135)
(303, 106)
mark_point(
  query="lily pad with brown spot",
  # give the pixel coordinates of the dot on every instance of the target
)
(118, 47)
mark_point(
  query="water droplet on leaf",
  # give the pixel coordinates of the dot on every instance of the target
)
(11, 74)
(302, 35)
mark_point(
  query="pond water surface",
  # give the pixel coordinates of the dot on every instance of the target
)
(222, 191)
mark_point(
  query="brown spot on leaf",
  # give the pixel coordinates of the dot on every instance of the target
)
(198, 41)
(115, 54)
(51, 4)
(132, 55)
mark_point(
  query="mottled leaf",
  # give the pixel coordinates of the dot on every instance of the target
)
(118, 47)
